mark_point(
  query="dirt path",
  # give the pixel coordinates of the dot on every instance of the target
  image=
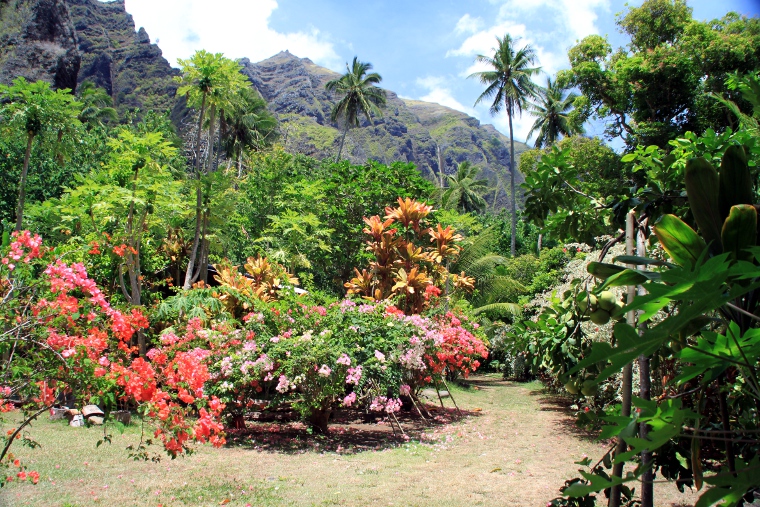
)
(515, 448)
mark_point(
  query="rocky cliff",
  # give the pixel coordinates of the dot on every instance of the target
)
(120, 59)
(408, 130)
(39, 42)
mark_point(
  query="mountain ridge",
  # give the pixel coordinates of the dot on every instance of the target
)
(69, 41)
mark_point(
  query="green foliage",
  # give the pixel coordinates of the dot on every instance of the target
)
(464, 191)
(656, 89)
(555, 115)
(246, 125)
(283, 190)
(31, 109)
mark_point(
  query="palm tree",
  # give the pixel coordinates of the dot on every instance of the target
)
(509, 84)
(463, 192)
(96, 104)
(552, 113)
(247, 125)
(360, 96)
(497, 292)
(207, 78)
(33, 108)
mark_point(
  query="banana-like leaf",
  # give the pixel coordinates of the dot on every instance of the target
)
(602, 270)
(640, 261)
(629, 277)
(735, 180)
(740, 231)
(681, 242)
(702, 189)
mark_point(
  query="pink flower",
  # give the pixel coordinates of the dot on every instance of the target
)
(283, 385)
(344, 359)
(354, 375)
(103, 361)
(349, 400)
(405, 390)
(325, 371)
(380, 356)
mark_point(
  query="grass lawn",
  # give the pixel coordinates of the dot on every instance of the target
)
(514, 446)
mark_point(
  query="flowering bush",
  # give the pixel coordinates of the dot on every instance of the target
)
(61, 335)
(350, 354)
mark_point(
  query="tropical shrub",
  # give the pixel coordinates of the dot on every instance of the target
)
(404, 266)
(61, 335)
(348, 353)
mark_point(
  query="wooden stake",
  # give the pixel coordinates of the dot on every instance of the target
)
(625, 410)
(451, 396)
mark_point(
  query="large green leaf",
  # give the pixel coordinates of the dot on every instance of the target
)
(740, 231)
(735, 180)
(603, 270)
(704, 290)
(702, 189)
(681, 242)
(641, 261)
(729, 488)
(629, 277)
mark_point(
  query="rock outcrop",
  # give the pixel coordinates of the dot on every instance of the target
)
(120, 59)
(39, 42)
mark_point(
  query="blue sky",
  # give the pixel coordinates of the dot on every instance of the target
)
(424, 49)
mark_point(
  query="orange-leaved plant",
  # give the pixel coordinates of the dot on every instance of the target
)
(410, 258)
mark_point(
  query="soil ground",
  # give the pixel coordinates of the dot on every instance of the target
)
(513, 445)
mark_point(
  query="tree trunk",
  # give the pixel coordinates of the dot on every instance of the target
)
(342, 139)
(319, 418)
(198, 201)
(540, 240)
(132, 256)
(211, 136)
(237, 422)
(513, 242)
(196, 240)
(203, 266)
(22, 182)
(647, 479)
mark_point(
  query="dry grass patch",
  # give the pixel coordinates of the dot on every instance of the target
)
(513, 447)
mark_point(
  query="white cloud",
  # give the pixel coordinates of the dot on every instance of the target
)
(438, 91)
(468, 24)
(482, 42)
(572, 19)
(551, 27)
(237, 29)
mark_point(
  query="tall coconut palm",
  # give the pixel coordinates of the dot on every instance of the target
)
(552, 113)
(360, 95)
(553, 121)
(463, 192)
(508, 83)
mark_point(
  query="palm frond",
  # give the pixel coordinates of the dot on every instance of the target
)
(500, 309)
